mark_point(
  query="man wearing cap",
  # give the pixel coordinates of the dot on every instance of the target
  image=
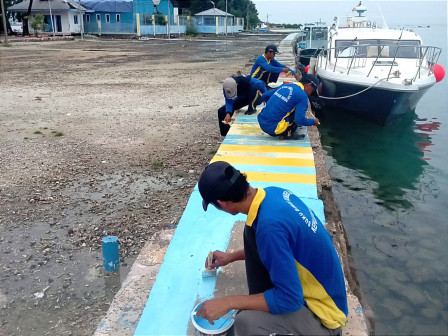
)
(295, 279)
(286, 108)
(239, 91)
(267, 68)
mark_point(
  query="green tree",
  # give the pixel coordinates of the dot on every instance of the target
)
(160, 19)
(37, 23)
(26, 30)
(191, 28)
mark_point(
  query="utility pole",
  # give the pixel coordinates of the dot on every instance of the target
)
(81, 20)
(4, 23)
(226, 17)
(214, 13)
(247, 17)
(169, 22)
(51, 17)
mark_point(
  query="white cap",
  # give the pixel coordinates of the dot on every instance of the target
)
(229, 85)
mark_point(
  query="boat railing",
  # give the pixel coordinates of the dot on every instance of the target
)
(356, 56)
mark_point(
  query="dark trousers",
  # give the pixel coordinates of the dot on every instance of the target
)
(253, 322)
(269, 77)
(251, 99)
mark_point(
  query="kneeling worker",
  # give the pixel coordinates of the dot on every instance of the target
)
(286, 107)
(295, 279)
(267, 68)
(239, 91)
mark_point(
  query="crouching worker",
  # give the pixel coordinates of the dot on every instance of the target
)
(295, 279)
(286, 107)
(239, 91)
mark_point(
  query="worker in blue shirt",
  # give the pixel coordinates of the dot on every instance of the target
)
(286, 108)
(239, 91)
(267, 68)
(294, 275)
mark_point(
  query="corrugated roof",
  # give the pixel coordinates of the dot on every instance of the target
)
(40, 5)
(213, 12)
(119, 6)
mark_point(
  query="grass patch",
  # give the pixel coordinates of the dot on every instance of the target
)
(37, 132)
(157, 165)
(57, 133)
(212, 151)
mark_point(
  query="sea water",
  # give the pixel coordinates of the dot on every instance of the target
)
(391, 184)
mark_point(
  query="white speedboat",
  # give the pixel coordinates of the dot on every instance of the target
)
(310, 41)
(375, 71)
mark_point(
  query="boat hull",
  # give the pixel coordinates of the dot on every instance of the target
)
(378, 104)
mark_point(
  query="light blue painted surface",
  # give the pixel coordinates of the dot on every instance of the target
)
(261, 140)
(276, 169)
(179, 282)
(179, 285)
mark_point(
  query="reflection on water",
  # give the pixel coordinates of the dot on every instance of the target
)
(391, 156)
(390, 199)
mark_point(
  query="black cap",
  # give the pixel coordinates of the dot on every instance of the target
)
(216, 180)
(272, 48)
(310, 78)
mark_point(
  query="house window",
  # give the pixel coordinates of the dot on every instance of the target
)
(107, 18)
(98, 17)
(75, 19)
(87, 17)
(118, 18)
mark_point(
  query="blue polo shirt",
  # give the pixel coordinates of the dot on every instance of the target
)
(284, 106)
(263, 68)
(297, 251)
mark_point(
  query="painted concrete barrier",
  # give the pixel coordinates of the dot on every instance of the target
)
(267, 161)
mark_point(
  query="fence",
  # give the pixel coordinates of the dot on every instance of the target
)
(99, 28)
(146, 25)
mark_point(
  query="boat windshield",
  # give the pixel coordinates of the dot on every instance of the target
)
(317, 33)
(378, 48)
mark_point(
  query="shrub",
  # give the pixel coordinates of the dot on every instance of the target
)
(191, 27)
(37, 24)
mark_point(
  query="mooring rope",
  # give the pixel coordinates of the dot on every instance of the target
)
(352, 95)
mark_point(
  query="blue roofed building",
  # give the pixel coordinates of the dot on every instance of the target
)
(121, 16)
(109, 17)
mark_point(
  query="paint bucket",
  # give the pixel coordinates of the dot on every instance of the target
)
(111, 257)
(220, 327)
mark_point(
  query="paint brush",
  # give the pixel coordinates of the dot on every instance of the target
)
(209, 272)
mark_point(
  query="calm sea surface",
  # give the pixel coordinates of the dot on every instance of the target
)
(391, 184)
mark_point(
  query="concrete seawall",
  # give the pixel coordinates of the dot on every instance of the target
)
(171, 276)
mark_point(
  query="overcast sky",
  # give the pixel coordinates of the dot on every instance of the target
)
(396, 12)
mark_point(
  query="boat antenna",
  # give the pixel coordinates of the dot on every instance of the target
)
(382, 16)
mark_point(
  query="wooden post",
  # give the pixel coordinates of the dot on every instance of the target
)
(137, 17)
(154, 24)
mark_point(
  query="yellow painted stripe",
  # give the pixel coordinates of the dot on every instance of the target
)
(248, 131)
(281, 178)
(264, 161)
(254, 126)
(270, 149)
(308, 156)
